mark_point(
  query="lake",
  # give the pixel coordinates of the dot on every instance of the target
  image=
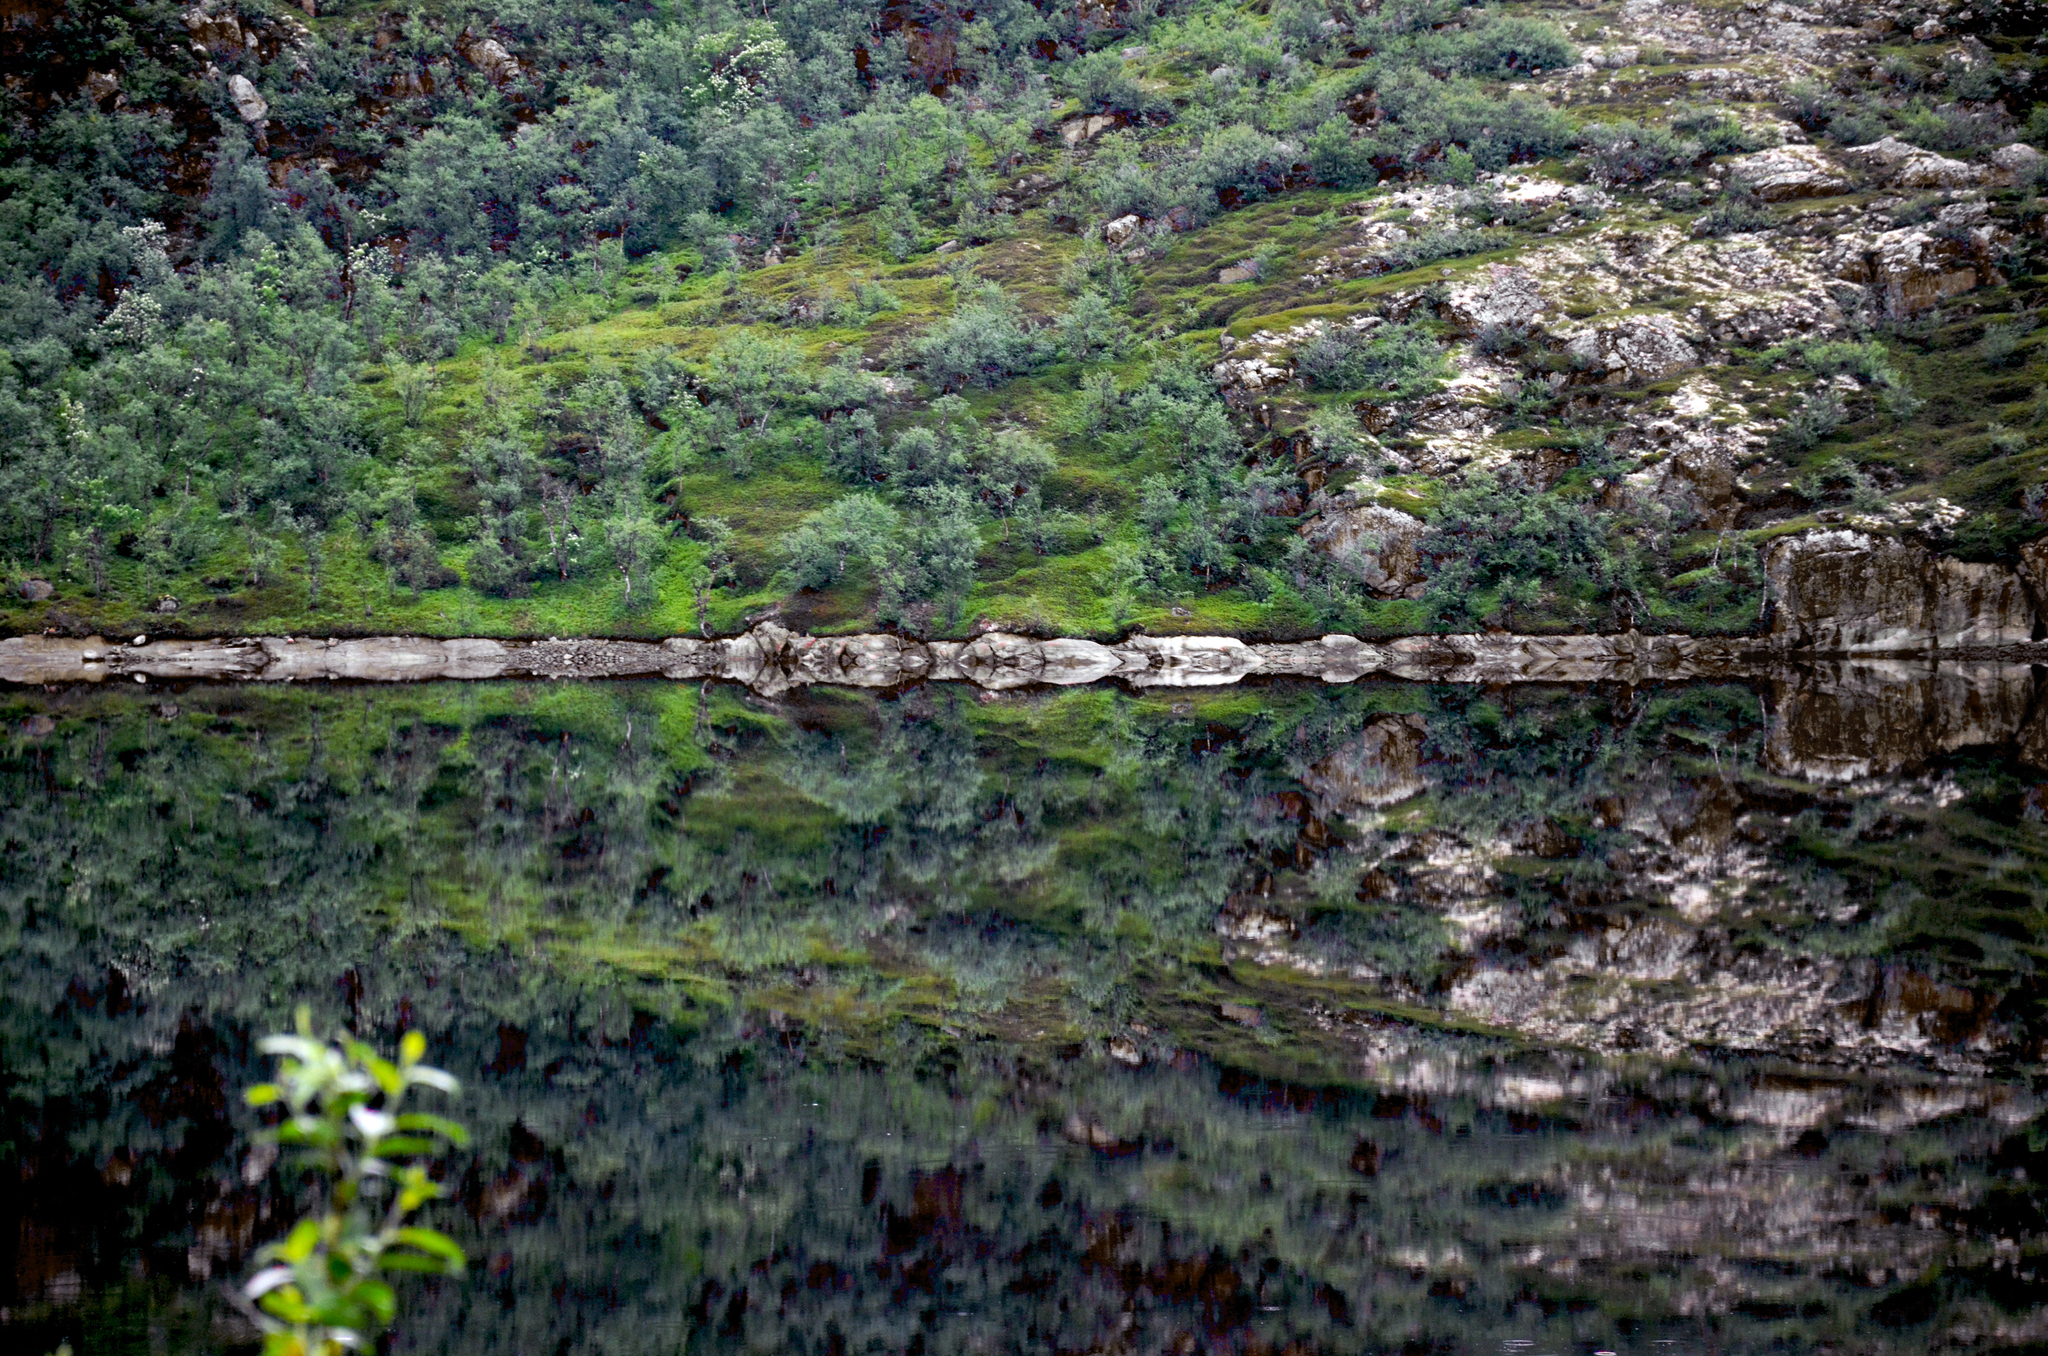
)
(1379, 1017)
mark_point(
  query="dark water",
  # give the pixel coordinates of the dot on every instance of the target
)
(1376, 1018)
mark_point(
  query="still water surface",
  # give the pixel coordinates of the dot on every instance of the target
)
(1374, 1018)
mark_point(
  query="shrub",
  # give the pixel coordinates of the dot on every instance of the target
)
(1716, 132)
(1099, 82)
(858, 528)
(1629, 153)
(1243, 161)
(1500, 46)
(1402, 361)
(2001, 341)
(322, 1288)
(1818, 415)
(983, 343)
(1738, 211)
(1446, 244)
(1491, 537)
(1091, 328)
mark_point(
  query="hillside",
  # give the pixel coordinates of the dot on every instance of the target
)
(1265, 320)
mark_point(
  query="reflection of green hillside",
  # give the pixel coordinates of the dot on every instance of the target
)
(1067, 862)
(655, 925)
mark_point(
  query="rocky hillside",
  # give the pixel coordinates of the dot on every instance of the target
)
(1263, 320)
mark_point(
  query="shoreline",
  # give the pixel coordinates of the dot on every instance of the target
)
(771, 659)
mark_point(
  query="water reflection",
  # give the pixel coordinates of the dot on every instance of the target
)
(1365, 1018)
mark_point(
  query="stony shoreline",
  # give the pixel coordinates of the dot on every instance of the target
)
(772, 659)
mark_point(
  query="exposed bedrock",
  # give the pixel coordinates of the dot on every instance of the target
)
(771, 659)
(1846, 592)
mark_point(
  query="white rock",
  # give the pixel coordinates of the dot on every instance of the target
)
(248, 103)
(1790, 172)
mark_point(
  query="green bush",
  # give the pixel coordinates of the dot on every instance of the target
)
(1492, 45)
(1738, 211)
(1819, 414)
(985, 341)
(1491, 541)
(1397, 361)
(1621, 153)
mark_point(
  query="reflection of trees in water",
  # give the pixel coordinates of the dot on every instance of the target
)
(544, 877)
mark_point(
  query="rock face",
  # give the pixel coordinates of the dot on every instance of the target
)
(1509, 296)
(1844, 592)
(1844, 722)
(1901, 165)
(1634, 349)
(1786, 172)
(1380, 546)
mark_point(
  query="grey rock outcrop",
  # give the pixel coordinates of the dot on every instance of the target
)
(488, 55)
(1913, 268)
(1844, 592)
(1786, 172)
(1902, 165)
(1634, 348)
(1380, 546)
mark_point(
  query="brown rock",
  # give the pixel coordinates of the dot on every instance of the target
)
(1845, 592)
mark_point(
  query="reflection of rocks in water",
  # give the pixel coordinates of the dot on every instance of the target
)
(1381, 767)
(1843, 722)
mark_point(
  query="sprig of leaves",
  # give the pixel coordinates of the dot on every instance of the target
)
(320, 1290)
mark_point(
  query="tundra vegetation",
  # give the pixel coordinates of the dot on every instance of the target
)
(577, 318)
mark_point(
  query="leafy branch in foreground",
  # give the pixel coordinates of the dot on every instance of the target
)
(320, 1290)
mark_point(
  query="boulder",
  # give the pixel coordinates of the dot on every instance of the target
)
(1633, 349)
(1380, 546)
(999, 661)
(1237, 273)
(1074, 131)
(1119, 232)
(221, 32)
(1786, 172)
(249, 104)
(1381, 767)
(1185, 661)
(2014, 160)
(1903, 165)
(488, 55)
(1844, 592)
(1507, 296)
(37, 590)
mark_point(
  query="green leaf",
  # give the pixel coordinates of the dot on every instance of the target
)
(411, 1047)
(412, 1261)
(394, 1145)
(435, 1242)
(453, 1131)
(298, 1244)
(380, 1299)
(437, 1079)
(263, 1094)
(386, 1073)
